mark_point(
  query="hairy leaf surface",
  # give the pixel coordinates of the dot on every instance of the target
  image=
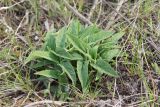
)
(104, 67)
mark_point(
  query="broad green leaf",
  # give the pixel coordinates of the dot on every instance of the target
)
(69, 70)
(108, 45)
(77, 56)
(114, 38)
(82, 71)
(41, 63)
(50, 41)
(97, 37)
(61, 38)
(75, 27)
(63, 78)
(93, 52)
(110, 54)
(78, 44)
(104, 67)
(49, 73)
(41, 54)
(63, 87)
(63, 82)
(61, 52)
(89, 31)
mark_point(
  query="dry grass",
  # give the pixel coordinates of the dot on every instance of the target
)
(23, 25)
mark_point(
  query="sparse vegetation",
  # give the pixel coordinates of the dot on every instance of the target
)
(27, 29)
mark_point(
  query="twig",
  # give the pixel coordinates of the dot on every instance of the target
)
(154, 46)
(8, 7)
(4, 73)
(61, 103)
(112, 18)
(29, 93)
(121, 15)
(99, 13)
(150, 40)
(16, 100)
(4, 22)
(93, 9)
(9, 92)
(57, 103)
(138, 103)
(80, 16)
(21, 24)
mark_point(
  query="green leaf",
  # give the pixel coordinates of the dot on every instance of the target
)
(78, 44)
(63, 82)
(61, 38)
(41, 63)
(75, 27)
(110, 54)
(69, 70)
(114, 38)
(82, 71)
(104, 67)
(77, 56)
(64, 54)
(50, 41)
(108, 45)
(63, 78)
(93, 52)
(41, 54)
(89, 31)
(49, 73)
(97, 37)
